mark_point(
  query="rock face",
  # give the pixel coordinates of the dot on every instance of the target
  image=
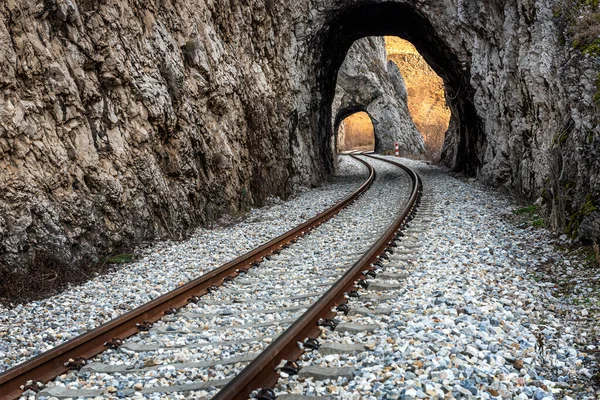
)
(122, 121)
(367, 82)
(426, 95)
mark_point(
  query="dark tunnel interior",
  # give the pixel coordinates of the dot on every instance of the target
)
(402, 20)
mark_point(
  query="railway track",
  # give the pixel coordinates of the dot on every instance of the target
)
(225, 333)
(349, 363)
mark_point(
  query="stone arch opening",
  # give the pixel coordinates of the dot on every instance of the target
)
(402, 20)
(368, 81)
(345, 113)
(355, 132)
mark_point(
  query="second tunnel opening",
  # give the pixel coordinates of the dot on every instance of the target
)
(356, 133)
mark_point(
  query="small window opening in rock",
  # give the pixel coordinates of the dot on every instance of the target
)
(426, 95)
(356, 133)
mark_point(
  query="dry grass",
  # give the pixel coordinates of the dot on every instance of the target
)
(582, 24)
(587, 30)
(47, 275)
(358, 144)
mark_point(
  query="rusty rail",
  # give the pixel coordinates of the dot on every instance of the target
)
(260, 373)
(50, 364)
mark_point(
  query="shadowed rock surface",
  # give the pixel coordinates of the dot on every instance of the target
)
(367, 82)
(128, 121)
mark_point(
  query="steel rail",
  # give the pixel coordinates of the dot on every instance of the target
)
(51, 364)
(261, 373)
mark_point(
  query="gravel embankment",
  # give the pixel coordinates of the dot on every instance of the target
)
(464, 317)
(30, 329)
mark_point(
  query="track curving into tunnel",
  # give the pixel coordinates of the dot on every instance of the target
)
(210, 332)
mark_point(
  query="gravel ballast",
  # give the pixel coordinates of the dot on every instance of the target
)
(465, 308)
(28, 330)
(464, 316)
(212, 340)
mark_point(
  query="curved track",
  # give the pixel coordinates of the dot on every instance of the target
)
(263, 371)
(296, 299)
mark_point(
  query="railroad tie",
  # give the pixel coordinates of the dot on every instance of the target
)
(139, 348)
(64, 393)
(193, 315)
(323, 373)
(367, 311)
(378, 286)
(390, 276)
(271, 300)
(127, 369)
(342, 349)
(355, 328)
(167, 330)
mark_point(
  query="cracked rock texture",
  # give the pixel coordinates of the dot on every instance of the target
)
(123, 121)
(127, 121)
(367, 82)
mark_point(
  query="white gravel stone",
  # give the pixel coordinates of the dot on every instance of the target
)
(30, 329)
(469, 321)
(189, 348)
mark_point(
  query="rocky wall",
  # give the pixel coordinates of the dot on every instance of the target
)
(129, 121)
(521, 95)
(124, 121)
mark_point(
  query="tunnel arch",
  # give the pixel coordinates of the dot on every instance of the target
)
(403, 20)
(347, 112)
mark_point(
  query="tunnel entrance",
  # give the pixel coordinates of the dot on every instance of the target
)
(426, 96)
(465, 142)
(356, 132)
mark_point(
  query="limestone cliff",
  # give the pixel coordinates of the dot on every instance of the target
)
(366, 82)
(127, 121)
(426, 96)
(122, 121)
